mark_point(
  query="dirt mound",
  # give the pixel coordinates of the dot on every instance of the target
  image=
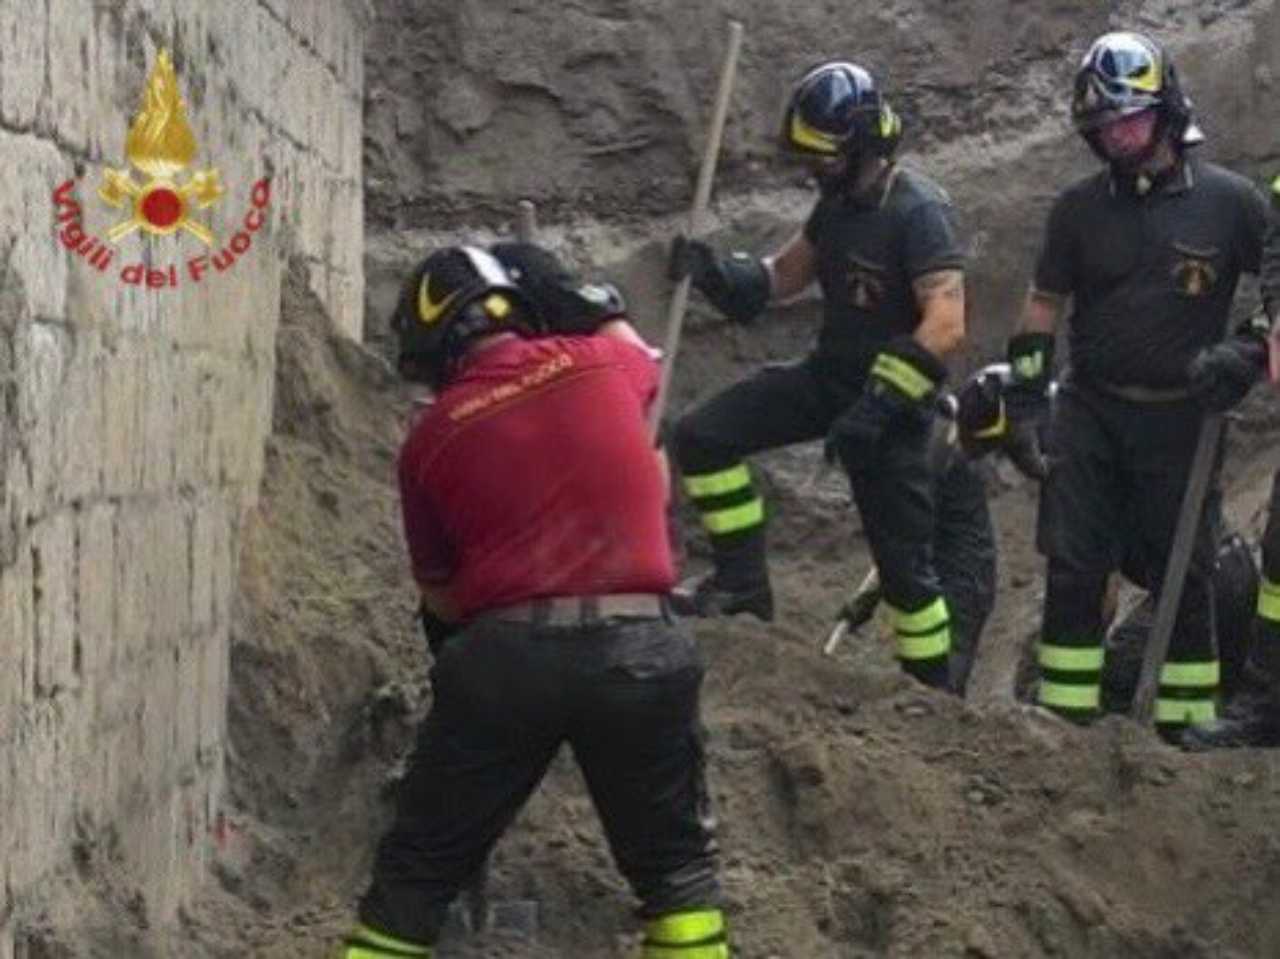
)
(860, 815)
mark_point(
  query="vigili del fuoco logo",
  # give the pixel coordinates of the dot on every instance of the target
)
(160, 146)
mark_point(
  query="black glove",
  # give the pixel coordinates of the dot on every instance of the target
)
(900, 389)
(588, 308)
(984, 423)
(1222, 375)
(1030, 373)
(562, 305)
(981, 419)
(737, 285)
(435, 629)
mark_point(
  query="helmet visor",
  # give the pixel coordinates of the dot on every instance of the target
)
(1098, 101)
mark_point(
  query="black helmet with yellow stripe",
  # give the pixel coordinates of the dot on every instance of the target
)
(455, 296)
(1124, 73)
(836, 110)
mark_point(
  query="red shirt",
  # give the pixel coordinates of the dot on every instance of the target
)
(533, 475)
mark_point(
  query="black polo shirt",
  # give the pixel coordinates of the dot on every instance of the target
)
(869, 250)
(1152, 275)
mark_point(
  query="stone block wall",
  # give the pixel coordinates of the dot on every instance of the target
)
(132, 416)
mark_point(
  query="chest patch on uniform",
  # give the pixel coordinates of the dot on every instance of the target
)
(866, 284)
(1193, 271)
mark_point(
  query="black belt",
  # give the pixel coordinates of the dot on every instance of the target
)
(1142, 394)
(581, 610)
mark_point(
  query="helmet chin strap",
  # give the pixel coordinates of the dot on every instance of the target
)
(861, 171)
(1139, 172)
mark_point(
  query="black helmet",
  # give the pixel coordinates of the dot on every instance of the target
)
(836, 110)
(1125, 73)
(456, 295)
(561, 302)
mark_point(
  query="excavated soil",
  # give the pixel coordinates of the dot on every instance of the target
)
(860, 815)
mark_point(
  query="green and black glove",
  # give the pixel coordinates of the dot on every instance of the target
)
(1030, 373)
(737, 285)
(900, 389)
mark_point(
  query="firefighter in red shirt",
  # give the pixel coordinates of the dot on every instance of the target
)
(534, 510)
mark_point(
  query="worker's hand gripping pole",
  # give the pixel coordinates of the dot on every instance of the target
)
(701, 197)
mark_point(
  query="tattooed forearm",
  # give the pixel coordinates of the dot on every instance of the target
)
(940, 295)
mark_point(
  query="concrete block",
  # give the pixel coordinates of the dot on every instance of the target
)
(171, 582)
(132, 590)
(79, 431)
(215, 665)
(53, 563)
(159, 439)
(17, 642)
(156, 679)
(202, 533)
(96, 590)
(41, 386)
(34, 170)
(22, 68)
(73, 82)
(188, 676)
(123, 389)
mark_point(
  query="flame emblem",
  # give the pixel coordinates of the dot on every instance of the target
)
(161, 145)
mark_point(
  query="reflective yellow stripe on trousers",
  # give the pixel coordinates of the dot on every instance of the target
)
(1269, 601)
(686, 935)
(717, 484)
(924, 634)
(368, 943)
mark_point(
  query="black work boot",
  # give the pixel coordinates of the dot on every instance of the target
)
(1246, 723)
(709, 595)
(738, 584)
(1250, 720)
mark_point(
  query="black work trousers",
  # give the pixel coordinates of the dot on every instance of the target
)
(622, 693)
(1265, 655)
(1115, 487)
(784, 404)
(964, 552)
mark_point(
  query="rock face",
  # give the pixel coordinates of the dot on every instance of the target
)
(596, 111)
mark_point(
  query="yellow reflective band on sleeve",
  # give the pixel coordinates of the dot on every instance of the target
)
(1069, 695)
(367, 943)
(735, 518)
(679, 928)
(716, 484)
(923, 620)
(803, 135)
(1190, 712)
(932, 646)
(1074, 659)
(903, 375)
(1269, 601)
(1190, 674)
(716, 950)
